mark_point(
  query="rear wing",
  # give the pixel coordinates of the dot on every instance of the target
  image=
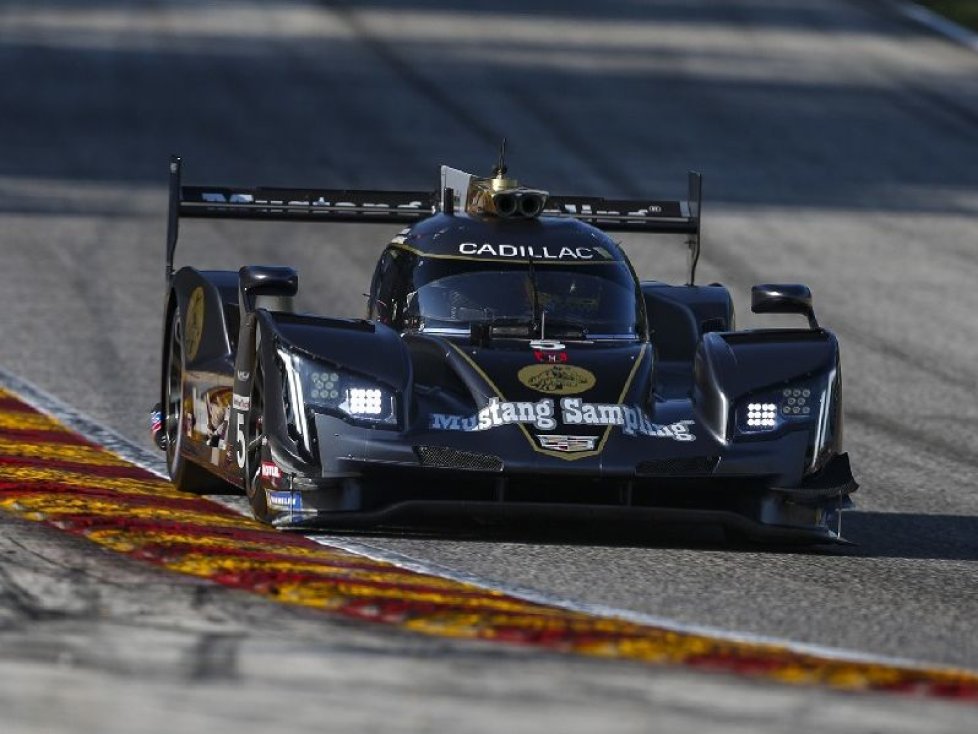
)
(288, 205)
(408, 207)
(627, 215)
(610, 215)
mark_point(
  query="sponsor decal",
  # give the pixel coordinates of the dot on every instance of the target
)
(573, 412)
(209, 418)
(587, 209)
(568, 444)
(212, 197)
(498, 413)
(535, 252)
(548, 351)
(551, 357)
(156, 420)
(242, 403)
(156, 427)
(287, 501)
(631, 419)
(557, 379)
(270, 470)
(217, 197)
(195, 322)
(243, 375)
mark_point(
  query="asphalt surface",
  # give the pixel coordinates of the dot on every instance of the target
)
(839, 146)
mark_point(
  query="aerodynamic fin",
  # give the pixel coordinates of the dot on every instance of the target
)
(289, 204)
(407, 207)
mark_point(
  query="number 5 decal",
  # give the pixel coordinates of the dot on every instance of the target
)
(239, 441)
(241, 405)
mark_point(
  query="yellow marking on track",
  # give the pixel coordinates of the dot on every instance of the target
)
(195, 563)
(316, 593)
(125, 541)
(88, 506)
(74, 453)
(30, 475)
(12, 421)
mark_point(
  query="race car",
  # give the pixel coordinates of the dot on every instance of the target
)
(510, 362)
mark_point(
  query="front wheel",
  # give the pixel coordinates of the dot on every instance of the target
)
(254, 444)
(185, 475)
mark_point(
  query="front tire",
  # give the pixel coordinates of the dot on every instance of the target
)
(185, 475)
(254, 440)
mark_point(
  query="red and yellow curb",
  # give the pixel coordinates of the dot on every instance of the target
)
(51, 475)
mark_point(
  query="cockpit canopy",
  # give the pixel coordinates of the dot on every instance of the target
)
(567, 299)
(596, 301)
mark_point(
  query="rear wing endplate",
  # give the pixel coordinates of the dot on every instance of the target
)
(408, 207)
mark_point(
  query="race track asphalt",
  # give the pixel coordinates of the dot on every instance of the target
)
(839, 147)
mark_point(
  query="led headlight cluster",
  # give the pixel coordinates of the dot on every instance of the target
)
(770, 411)
(796, 401)
(325, 385)
(313, 385)
(761, 415)
(364, 401)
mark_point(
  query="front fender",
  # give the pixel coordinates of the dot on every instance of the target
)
(731, 366)
(365, 348)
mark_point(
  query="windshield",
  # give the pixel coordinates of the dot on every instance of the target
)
(587, 301)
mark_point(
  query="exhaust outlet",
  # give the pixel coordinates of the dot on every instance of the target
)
(530, 205)
(506, 205)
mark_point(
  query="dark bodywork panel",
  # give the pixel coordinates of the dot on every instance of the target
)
(658, 421)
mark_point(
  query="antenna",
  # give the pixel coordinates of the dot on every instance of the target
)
(499, 170)
(536, 297)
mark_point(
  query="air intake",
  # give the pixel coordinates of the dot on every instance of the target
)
(678, 467)
(441, 457)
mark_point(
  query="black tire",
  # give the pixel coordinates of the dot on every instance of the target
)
(254, 446)
(185, 475)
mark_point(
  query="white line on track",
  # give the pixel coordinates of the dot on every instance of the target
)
(84, 424)
(938, 23)
(145, 459)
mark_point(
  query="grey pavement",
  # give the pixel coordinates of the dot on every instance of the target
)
(839, 145)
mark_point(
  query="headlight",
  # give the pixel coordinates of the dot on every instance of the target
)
(318, 386)
(769, 411)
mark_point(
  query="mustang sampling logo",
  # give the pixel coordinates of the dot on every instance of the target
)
(574, 411)
(556, 379)
(498, 413)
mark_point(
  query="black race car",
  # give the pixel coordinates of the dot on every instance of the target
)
(510, 361)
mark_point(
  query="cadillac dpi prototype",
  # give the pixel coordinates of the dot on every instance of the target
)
(510, 361)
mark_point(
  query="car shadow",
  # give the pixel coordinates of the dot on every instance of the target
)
(912, 535)
(869, 535)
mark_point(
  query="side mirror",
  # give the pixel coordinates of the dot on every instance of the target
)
(265, 280)
(783, 298)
